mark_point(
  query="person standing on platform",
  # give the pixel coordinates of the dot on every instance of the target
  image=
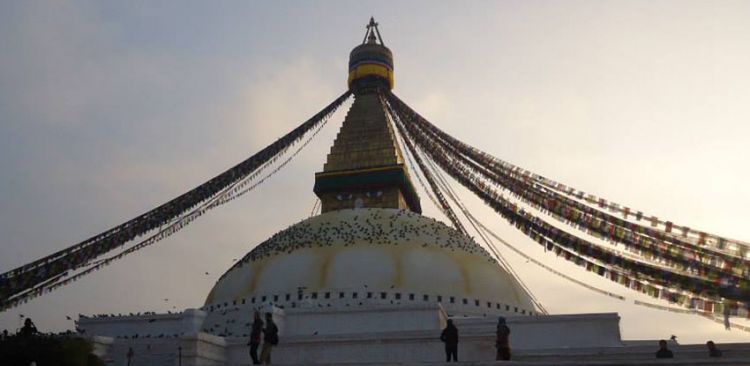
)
(254, 341)
(270, 339)
(502, 340)
(663, 351)
(130, 355)
(29, 329)
(449, 336)
(712, 350)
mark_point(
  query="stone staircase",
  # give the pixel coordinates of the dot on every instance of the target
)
(734, 354)
(687, 355)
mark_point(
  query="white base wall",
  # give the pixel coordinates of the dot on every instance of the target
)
(193, 349)
(369, 334)
(416, 337)
(144, 325)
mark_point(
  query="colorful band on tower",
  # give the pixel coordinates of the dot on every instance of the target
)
(371, 62)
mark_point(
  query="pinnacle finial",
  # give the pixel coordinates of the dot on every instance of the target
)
(372, 34)
(370, 63)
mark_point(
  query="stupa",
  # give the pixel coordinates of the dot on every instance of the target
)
(370, 245)
(369, 280)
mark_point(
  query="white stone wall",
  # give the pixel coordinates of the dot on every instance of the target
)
(200, 349)
(372, 333)
(192, 349)
(399, 343)
(369, 319)
(152, 326)
(551, 331)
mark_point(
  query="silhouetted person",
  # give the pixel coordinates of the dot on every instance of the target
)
(254, 341)
(270, 339)
(712, 350)
(727, 324)
(29, 329)
(449, 336)
(130, 355)
(502, 340)
(663, 351)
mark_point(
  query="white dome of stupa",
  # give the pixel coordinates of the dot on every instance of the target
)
(372, 255)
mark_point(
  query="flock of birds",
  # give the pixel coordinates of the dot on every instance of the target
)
(119, 315)
(365, 226)
(136, 336)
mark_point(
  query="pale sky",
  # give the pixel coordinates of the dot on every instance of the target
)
(109, 109)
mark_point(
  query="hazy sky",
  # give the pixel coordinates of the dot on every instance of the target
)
(108, 109)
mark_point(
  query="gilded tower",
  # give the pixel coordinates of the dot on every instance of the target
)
(365, 167)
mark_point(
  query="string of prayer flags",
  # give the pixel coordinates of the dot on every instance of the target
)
(662, 283)
(737, 248)
(602, 225)
(26, 278)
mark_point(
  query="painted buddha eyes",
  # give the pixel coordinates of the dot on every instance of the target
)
(349, 196)
(344, 196)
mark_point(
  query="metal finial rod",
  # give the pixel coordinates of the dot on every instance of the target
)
(372, 31)
(377, 31)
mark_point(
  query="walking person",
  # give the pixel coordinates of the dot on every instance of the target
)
(449, 336)
(270, 339)
(727, 324)
(254, 341)
(502, 340)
